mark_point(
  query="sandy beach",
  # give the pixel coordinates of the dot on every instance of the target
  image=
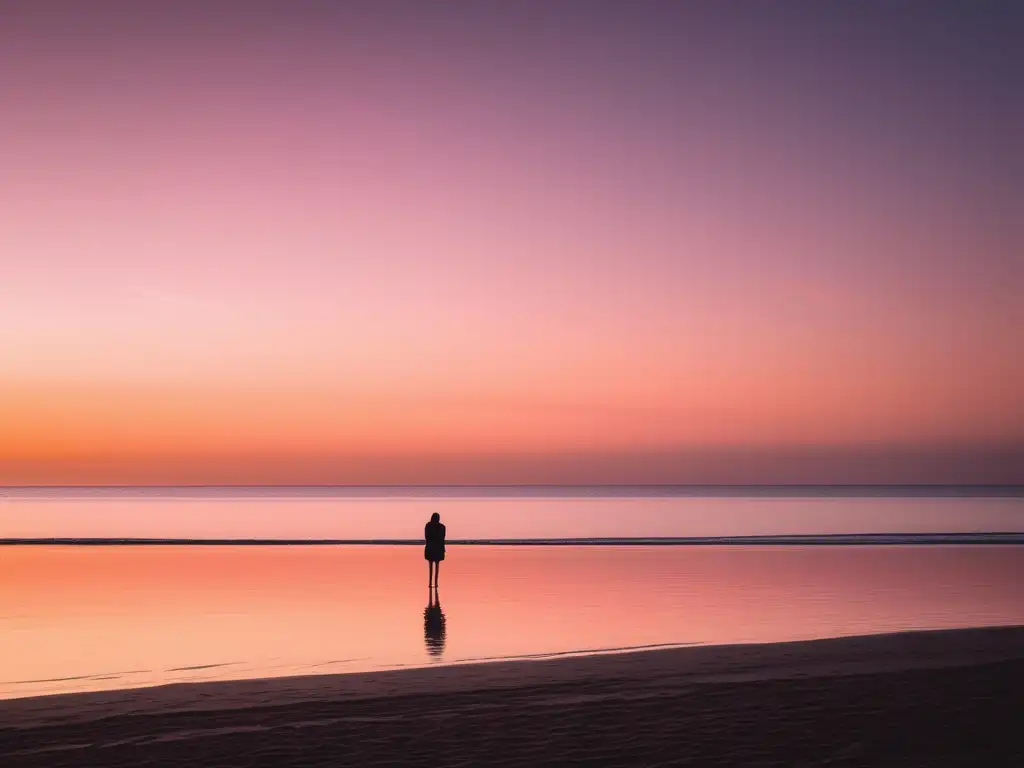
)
(920, 698)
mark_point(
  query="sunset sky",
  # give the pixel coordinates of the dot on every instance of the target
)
(476, 242)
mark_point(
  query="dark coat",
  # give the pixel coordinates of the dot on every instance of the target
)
(434, 534)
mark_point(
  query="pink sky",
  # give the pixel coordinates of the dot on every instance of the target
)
(341, 246)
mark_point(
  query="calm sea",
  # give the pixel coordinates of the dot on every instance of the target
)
(90, 618)
(503, 513)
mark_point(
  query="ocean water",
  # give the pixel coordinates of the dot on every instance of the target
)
(75, 618)
(92, 618)
(502, 513)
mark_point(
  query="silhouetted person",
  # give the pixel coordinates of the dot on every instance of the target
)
(433, 624)
(434, 550)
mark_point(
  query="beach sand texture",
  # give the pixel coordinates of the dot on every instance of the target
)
(937, 698)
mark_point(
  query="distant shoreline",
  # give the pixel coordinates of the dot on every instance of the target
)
(521, 491)
(857, 539)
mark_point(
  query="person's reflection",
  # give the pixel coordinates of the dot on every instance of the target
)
(433, 624)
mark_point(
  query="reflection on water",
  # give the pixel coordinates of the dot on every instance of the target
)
(433, 625)
(90, 618)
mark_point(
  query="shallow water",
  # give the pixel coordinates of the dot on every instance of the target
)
(93, 618)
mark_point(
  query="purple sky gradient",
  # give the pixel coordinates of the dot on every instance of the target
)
(318, 236)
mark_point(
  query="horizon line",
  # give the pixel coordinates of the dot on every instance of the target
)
(100, 486)
(881, 490)
(461, 485)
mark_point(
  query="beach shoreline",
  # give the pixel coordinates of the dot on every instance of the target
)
(1005, 538)
(822, 699)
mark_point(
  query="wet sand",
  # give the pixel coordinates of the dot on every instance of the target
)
(921, 698)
